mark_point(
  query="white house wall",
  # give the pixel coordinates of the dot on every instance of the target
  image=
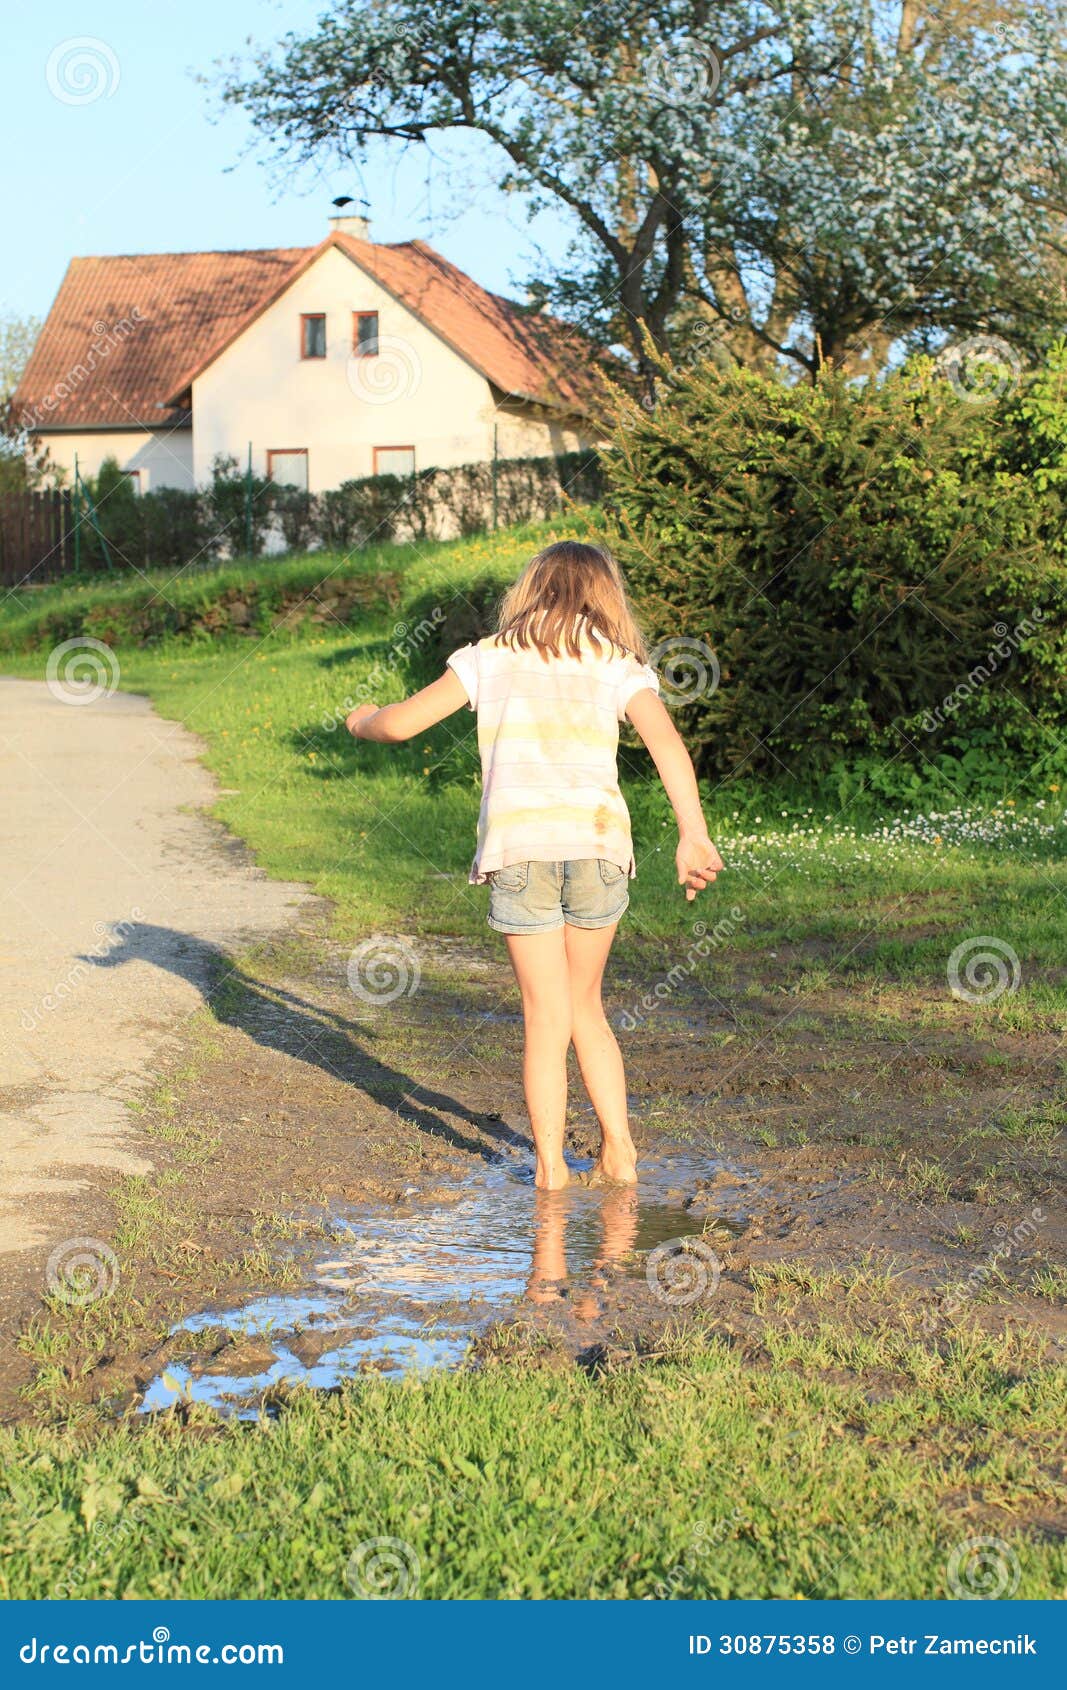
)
(535, 434)
(417, 392)
(164, 457)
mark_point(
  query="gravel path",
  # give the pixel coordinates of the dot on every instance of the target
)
(118, 895)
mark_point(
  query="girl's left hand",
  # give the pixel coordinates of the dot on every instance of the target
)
(359, 714)
(697, 862)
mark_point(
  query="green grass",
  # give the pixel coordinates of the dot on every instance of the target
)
(531, 1480)
(695, 1475)
(388, 832)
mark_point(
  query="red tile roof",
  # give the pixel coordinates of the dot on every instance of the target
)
(127, 336)
(525, 353)
(121, 329)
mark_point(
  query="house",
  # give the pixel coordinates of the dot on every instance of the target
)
(342, 360)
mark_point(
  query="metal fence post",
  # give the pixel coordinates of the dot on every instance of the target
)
(248, 504)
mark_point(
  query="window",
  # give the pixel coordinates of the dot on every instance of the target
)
(394, 460)
(288, 467)
(313, 334)
(365, 334)
(133, 476)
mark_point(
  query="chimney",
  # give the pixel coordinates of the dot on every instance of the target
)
(342, 223)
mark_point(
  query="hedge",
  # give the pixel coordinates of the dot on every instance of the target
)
(843, 570)
(230, 517)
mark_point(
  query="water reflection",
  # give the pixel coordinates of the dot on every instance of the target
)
(408, 1287)
(617, 1214)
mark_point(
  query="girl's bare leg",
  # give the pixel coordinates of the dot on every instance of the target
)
(540, 964)
(598, 1052)
(548, 1269)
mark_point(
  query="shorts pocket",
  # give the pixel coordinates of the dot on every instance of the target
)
(512, 879)
(610, 873)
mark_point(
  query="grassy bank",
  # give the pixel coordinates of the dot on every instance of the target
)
(388, 832)
(695, 1475)
(127, 608)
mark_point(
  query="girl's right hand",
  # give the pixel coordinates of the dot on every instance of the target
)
(359, 714)
(698, 862)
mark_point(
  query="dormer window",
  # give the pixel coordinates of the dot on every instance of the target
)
(365, 334)
(313, 334)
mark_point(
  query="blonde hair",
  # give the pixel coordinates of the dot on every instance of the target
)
(568, 589)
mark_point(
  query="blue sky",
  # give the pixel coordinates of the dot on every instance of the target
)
(149, 165)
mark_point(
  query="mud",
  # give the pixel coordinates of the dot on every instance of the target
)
(344, 1185)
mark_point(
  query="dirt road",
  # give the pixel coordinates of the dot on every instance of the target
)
(115, 887)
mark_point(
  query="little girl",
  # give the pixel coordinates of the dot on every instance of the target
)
(566, 665)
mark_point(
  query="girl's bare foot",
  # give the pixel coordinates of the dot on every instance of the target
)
(551, 1176)
(617, 1163)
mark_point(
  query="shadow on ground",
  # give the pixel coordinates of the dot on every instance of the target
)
(279, 1019)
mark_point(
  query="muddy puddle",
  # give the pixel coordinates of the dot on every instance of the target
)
(411, 1287)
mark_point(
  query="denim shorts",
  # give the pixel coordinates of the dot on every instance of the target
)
(541, 897)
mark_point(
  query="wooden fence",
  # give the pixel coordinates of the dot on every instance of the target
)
(36, 537)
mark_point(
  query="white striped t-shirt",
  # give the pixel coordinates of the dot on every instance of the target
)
(548, 735)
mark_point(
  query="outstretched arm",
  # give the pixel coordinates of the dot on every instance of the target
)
(394, 722)
(697, 860)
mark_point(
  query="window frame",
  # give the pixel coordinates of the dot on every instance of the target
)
(398, 448)
(307, 317)
(289, 452)
(357, 350)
